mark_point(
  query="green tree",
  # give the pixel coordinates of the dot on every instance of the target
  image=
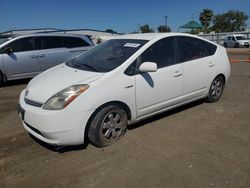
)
(146, 29)
(206, 16)
(230, 21)
(163, 29)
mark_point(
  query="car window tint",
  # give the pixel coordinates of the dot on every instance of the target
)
(73, 42)
(22, 45)
(162, 53)
(52, 42)
(190, 48)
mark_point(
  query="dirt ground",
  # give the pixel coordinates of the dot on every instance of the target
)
(198, 145)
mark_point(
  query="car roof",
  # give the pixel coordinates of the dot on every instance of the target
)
(151, 36)
(51, 34)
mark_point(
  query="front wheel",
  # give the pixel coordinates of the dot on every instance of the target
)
(216, 89)
(1, 79)
(108, 126)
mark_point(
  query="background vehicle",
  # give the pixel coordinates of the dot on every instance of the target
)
(236, 41)
(123, 80)
(27, 56)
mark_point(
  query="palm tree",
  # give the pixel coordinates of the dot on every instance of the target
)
(206, 16)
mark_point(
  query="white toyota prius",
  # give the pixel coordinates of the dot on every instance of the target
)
(120, 82)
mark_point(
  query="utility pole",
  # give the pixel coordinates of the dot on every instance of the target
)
(166, 20)
(139, 28)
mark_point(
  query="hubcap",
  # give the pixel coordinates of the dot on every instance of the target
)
(112, 125)
(216, 88)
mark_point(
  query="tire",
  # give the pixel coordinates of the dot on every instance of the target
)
(225, 45)
(216, 89)
(236, 45)
(108, 126)
(1, 79)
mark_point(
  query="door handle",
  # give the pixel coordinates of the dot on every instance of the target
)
(34, 56)
(177, 74)
(42, 56)
(211, 64)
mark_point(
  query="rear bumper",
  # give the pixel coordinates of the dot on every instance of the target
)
(61, 128)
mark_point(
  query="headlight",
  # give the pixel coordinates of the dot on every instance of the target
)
(65, 97)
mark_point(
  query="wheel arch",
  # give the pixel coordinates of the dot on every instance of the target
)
(223, 76)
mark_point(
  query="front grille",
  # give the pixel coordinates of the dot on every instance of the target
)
(33, 103)
(33, 129)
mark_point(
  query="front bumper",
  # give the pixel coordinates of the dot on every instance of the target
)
(61, 128)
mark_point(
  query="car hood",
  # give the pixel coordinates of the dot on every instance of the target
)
(54, 80)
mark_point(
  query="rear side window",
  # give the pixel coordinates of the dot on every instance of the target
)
(22, 45)
(74, 42)
(51, 42)
(162, 53)
(190, 48)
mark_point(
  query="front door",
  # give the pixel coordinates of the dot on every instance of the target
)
(163, 88)
(23, 61)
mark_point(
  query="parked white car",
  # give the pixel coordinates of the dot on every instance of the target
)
(236, 41)
(120, 82)
(26, 56)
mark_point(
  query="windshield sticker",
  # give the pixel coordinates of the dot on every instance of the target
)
(132, 45)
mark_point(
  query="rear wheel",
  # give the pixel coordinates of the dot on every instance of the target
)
(216, 89)
(236, 45)
(108, 126)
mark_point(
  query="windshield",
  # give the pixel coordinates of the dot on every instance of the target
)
(3, 40)
(107, 56)
(240, 38)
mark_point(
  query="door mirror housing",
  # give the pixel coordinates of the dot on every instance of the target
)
(148, 67)
(8, 50)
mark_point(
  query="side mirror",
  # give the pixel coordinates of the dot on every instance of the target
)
(8, 50)
(148, 67)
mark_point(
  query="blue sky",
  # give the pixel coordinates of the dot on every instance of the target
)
(121, 16)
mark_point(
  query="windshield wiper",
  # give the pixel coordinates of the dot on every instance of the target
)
(90, 67)
(113, 58)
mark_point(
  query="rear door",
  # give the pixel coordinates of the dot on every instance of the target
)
(76, 45)
(198, 65)
(53, 52)
(23, 61)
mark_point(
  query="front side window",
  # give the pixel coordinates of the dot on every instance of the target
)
(162, 53)
(190, 48)
(22, 45)
(107, 56)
